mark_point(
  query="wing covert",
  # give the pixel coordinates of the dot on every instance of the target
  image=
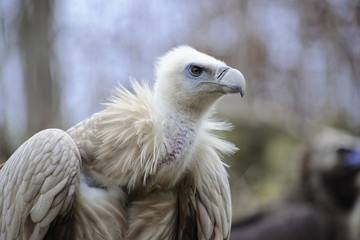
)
(38, 184)
(211, 199)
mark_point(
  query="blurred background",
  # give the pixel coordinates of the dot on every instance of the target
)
(59, 60)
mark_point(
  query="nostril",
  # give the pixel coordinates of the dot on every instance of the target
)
(220, 71)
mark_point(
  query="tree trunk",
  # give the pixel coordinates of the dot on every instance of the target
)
(36, 48)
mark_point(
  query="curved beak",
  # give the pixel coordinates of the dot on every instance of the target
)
(230, 80)
(226, 80)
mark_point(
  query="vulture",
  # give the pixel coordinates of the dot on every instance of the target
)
(323, 206)
(148, 166)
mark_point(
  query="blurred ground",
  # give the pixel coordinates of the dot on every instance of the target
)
(60, 59)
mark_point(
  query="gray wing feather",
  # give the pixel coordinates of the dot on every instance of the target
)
(84, 134)
(208, 213)
(213, 210)
(38, 184)
(212, 202)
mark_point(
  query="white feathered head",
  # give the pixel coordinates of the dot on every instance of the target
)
(190, 80)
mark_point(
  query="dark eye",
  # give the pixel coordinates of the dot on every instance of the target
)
(195, 71)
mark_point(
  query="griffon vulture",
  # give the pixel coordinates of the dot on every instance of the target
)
(323, 206)
(146, 167)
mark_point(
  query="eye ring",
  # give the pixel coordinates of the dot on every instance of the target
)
(195, 71)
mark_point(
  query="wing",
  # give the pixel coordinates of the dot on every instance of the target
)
(84, 135)
(209, 210)
(38, 185)
(212, 203)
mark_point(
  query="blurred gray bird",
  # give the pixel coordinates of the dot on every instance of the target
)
(323, 206)
(146, 167)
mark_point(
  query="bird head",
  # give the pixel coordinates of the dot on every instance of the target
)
(190, 80)
(332, 168)
(332, 148)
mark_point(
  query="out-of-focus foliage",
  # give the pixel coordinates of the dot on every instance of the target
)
(262, 171)
(60, 59)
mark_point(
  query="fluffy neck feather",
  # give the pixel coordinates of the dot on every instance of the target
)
(140, 144)
(143, 145)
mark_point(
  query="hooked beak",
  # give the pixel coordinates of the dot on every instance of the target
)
(226, 80)
(230, 80)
